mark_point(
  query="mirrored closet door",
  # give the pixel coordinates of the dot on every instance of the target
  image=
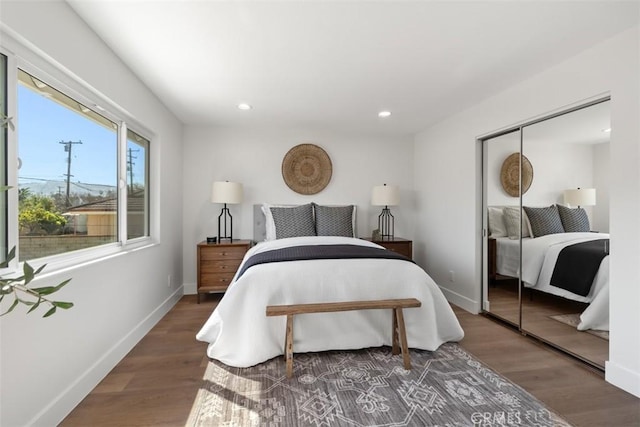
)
(547, 219)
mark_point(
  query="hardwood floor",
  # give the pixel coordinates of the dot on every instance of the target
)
(156, 383)
(537, 309)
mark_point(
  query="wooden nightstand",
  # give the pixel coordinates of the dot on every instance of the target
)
(218, 263)
(396, 244)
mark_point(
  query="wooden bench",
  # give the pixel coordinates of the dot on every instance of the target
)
(398, 329)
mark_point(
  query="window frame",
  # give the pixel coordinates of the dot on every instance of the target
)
(43, 68)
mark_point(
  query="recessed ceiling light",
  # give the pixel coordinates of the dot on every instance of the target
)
(244, 106)
(384, 113)
(606, 130)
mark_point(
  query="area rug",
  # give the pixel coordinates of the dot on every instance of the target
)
(367, 387)
(574, 320)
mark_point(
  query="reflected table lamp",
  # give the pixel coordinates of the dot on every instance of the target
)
(580, 197)
(227, 193)
(385, 195)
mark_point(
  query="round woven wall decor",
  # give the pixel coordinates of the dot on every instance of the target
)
(510, 175)
(306, 169)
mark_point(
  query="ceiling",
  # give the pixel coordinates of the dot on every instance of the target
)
(334, 65)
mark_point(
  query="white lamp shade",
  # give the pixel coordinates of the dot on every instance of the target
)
(385, 195)
(580, 197)
(226, 192)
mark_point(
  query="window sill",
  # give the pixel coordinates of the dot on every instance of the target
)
(69, 261)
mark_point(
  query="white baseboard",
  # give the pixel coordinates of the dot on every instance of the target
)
(190, 288)
(623, 378)
(69, 398)
(461, 301)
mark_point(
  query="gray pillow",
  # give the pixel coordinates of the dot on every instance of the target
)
(293, 222)
(334, 220)
(544, 220)
(574, 220)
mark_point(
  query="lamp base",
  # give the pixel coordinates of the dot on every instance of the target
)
(386, 224)
(224, 216)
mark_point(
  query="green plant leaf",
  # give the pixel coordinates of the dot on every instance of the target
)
(57, 288)
(28, 273)
(11, 255)
(46, 290)
(26, 302)
(50, 312)
(15, 302)
(62, 304)
(36, 305)
(40, 269)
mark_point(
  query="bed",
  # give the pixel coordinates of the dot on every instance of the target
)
(241, 335)
(540, 255)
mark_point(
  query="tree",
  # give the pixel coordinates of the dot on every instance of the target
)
(39, 215)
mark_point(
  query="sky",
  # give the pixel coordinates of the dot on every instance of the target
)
(42, 124)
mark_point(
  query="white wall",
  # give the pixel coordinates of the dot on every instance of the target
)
(448, 189)
(254, 158)
(48, 365)
(556, 167)
(601, 182)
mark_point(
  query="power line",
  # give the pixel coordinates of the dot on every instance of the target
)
(68, 145)
(130, 164)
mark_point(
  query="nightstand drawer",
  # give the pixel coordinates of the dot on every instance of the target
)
(225, 252)
(395, 244)
(218, 263)
(216, 280)
(401, 248)
(219, 266)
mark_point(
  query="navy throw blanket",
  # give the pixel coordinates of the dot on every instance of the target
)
(307, 252)
(578, 264)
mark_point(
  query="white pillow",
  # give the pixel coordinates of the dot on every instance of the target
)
(511, 217)
(497, 227)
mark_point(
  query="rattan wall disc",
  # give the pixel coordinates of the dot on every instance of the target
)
(306, 169)
(510, 175)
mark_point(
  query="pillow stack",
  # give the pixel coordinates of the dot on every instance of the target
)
(309, 220)
(557, 219)
(536, 222)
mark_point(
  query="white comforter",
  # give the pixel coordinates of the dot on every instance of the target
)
(539, 257)
(239, 333)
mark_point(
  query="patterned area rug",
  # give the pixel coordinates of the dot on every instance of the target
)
(574, 320)
(367, 387)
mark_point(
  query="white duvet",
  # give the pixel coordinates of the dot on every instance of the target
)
(539, 257)
(239, 333)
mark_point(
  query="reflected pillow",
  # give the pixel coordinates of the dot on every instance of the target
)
(334, 220)
(497, 226)
(574, 220)
(511, 221)
(293, 221)
(544, 220)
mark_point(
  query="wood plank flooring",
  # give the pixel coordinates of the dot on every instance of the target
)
(537, 309)
(156, 383)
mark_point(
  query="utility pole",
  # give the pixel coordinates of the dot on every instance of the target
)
(67, 147)
(130, 164)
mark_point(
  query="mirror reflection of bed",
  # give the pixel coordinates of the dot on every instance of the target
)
(564, 298)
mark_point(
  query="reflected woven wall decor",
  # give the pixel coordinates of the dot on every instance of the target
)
(510, 175)
(306, 169)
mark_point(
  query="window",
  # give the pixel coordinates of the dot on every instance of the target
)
(82, 172)
(137, 192)
(67, 181)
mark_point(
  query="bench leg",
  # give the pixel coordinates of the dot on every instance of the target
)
(288, 346)
(395, 348)
(403, 338)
